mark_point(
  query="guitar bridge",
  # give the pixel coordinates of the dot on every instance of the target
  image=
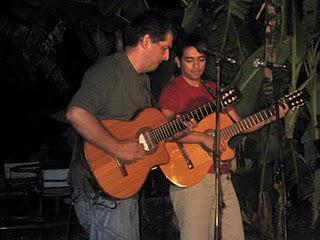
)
(185, 155)
(121, 166)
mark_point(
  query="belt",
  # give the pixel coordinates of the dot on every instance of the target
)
(223, 169)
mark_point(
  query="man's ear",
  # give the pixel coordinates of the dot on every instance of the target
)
(146, 40)
(177, 61)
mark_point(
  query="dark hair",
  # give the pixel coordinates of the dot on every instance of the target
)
(152, 23)
(186, 40)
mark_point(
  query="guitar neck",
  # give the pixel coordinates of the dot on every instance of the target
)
(177, 125)
(246, 123)
(294, 101)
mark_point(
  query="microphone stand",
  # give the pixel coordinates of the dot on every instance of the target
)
(219, 204)
(216, 158)
(271, 90)
(216, 153)
(279, 164)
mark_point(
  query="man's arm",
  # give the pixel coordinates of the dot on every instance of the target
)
(283, 109)
(190, 136)
(207, 140)
(92, 130)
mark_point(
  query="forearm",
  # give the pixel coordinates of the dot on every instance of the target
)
(259, 125)
(91, 129)
(203, 139)
(283, 109)
(193, 137)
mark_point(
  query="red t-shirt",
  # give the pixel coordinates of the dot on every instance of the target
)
(181, 97)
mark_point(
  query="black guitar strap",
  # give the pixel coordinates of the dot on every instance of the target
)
(213, 94)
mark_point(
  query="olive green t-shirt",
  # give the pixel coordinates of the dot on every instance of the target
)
(110, 89)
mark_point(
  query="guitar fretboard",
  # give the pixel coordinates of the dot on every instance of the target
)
(177, 125)
(246, 123)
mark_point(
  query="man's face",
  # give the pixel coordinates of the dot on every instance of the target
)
(158, 52)
(192, 64)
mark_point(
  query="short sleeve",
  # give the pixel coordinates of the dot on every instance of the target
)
(92, 92)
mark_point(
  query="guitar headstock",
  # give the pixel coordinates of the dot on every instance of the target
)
(297, 99)
(230, 96)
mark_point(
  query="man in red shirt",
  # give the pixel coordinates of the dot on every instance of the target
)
(194, 206)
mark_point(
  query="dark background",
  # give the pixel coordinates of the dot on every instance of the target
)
(39, 75)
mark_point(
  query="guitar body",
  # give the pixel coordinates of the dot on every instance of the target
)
(105, 167)
(150, 128)
(185, 173)
(177, 170)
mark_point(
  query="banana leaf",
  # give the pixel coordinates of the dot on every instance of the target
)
(220, 23)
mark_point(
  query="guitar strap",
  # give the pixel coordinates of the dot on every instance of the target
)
(213, 94)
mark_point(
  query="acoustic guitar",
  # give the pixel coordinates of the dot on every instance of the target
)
(189, 163)
(150, 128)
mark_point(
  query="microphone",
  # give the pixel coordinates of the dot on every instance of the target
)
(258, 63)
(219, 55)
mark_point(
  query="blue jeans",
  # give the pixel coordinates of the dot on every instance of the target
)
(105, 219)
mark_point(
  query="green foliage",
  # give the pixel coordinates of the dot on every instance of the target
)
(219, 22)
(249, 80)
(311, 15)
(223, 23)
(313, 85)
(296, 43)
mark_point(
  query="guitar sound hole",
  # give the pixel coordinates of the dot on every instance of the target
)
(145, 140)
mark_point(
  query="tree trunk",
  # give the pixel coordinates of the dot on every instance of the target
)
(271, 217)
